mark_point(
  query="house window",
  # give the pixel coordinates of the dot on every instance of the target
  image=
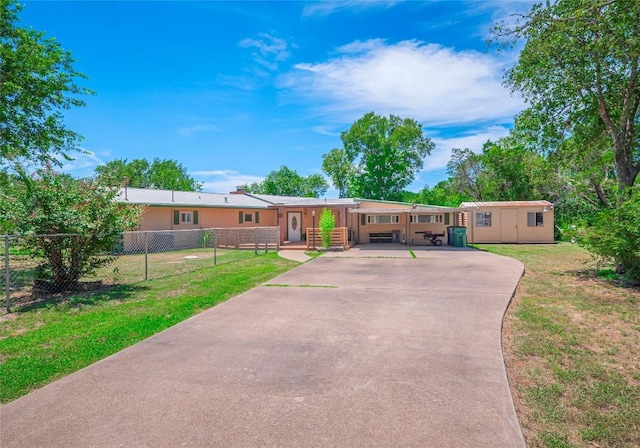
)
(248, 217)
(535, 219)
(185, 217)
(383, 219)
(426, 219)
(483, 219)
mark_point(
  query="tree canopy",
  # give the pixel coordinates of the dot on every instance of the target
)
(386, 154)
(578, 71)
(287, 182)
(37, 82)
(139, 173)
(340, 170)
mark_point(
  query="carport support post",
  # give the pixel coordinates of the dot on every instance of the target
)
(146, 255)
(7, 277)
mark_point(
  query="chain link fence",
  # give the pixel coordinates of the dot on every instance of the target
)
(136, 257)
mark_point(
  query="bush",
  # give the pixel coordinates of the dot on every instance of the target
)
(326, 225)
(615, 237)
(48, 203)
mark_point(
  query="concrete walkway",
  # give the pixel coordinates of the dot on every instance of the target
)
(295, 255)
(339, 352)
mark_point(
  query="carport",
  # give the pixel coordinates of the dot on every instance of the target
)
(411, 224)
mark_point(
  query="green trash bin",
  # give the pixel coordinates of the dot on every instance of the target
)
(460, 237)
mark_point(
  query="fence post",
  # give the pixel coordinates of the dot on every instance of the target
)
(146, 255)
(215, 250)
(255, 240)
(237, 238)
(277, 238)
(7, 277)
(266, 242)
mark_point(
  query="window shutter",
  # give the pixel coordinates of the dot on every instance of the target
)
(446, 219)
(363, 219)
(195, 216)
(240, 217)
(257, 217)
(176, 217)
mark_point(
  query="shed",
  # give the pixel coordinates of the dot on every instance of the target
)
(509, 222)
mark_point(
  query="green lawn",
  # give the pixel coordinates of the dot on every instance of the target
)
(571, 342)
(52, 340)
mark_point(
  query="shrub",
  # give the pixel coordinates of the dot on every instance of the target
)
(48, 203)
(326, 225)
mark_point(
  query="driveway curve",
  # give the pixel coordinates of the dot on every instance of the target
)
(357, 349)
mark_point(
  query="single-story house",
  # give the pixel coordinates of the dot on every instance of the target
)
(363, 220)
(508, 222)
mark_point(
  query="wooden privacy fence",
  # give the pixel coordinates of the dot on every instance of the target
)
(339, 238)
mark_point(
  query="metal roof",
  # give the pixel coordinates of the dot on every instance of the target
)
(188, 198)
(506, 204)
(307, 202)
(412, 211)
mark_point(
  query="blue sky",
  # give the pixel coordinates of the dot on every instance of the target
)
(234, 90)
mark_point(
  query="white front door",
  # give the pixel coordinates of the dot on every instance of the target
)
(294, 226)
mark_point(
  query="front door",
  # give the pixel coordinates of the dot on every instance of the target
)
(294, 226)
(509, 225)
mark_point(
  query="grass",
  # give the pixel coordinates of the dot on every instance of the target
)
(571, 340)
(45, 343)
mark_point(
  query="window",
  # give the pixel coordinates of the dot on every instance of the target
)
(383, 219)
(535, 219)
(426, 219)
(185, 217)
(483, 219)
(248, 217)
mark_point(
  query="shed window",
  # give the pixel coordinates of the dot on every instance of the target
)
(383, 219)
(426, 219)
(535, 219)
(483, 219)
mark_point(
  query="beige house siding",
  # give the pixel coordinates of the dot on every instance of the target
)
(161, 218)
(511, 225)
(340, 215)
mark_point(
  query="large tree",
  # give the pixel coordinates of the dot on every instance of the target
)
(287, 182)
(339, 168)
(37, 82)
(580, 61)
(387, 153)
(162, 174)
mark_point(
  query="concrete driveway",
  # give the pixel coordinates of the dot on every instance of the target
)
(347, 350)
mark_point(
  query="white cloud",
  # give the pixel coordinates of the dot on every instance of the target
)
(427, 82)
(326, 7)
(268, 50)
(472, 140)
(224, 181)
(82, 163)
(188, 131)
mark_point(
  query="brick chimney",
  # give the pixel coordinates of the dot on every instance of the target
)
(239, 190)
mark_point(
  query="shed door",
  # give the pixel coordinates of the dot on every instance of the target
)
(509, 225)
(294, 226)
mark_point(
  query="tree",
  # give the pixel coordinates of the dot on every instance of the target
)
(327, 224)
(36, 84)
(139, 173)
(442, 194)
(467, 173)
(387, 153)
(339, 168)
(84, 214)
(287, 182)
(580, 61)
